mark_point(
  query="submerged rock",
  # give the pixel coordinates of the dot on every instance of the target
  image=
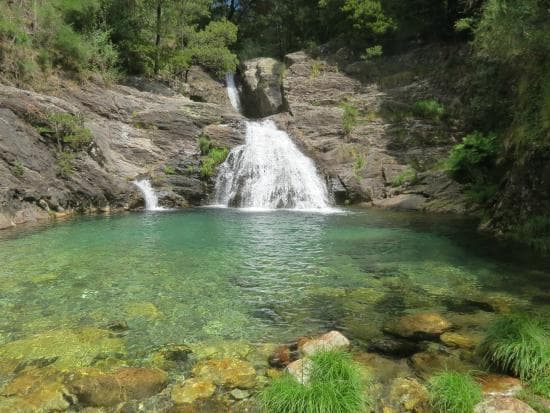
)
(460, 340)
(418, 326)
(96, 388)
(394, 347)
(192, 390)
(503, 404)
(499, 385)
(429, 362)
(65, 349)
(227, 372)
(331, 341)
(409, 395)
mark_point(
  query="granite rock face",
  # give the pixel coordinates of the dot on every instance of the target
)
(357, 121)
(134, 134)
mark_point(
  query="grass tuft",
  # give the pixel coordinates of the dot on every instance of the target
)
(518, 344)
(453, 392)
(335, 387)
(350, 117)
(429, 109)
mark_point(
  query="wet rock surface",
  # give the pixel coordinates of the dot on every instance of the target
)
(503, 404)
(419, 326)
(134, 133)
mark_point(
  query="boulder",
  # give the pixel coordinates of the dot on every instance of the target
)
(95, 388)
(227, 372)
(262, 87)
(460, 340)
(499, 385)
(331, 341)
(418, 326)
(192, 390)
(301, 370)
(503, 404)
(409, 395)
(394, 347)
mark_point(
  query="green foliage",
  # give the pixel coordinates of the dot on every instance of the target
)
(212, 156)
(204, 144)
(65, 164)
(18, 168)
(372, 52)
(428, 109)
(406, 176)
(541, 386)
(317, 68)
(453, 392)
(473, 157)
(67, 130)
(535, 231)
(349, 118)
(518, 344)
(169, 170)
(335, 387)
(358, 164)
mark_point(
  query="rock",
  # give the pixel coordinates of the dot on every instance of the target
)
(283, 356)
(117, 325)
(144, 310)
(409, 395)
(301, 370)
(227, 372)
(204, 88)
(502, 404)
(394, 347)
(262, 82)
(418, 326)
(65, 349)
(37, 390)
(460, 340)
(429, 362)
(133, 132)
(96, 388)
(331, 341)
(499, 385)
(239, 394)
(192, 390)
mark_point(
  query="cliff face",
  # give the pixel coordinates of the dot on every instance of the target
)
(360, 122)
(134, 134)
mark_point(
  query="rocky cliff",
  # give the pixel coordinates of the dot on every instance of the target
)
(359, 122)
(134, 133)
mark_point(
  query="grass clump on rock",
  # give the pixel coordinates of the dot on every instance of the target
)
(518, 344)
(453, 392)
(335, 386)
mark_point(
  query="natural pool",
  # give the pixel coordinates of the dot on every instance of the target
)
(221, 274)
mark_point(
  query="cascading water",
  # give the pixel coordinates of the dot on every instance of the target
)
(268, 171)
(151, 199)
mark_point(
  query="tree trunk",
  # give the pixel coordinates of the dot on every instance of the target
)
(158, 37)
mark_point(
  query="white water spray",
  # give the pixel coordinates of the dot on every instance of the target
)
(151, 199)
(268, 171)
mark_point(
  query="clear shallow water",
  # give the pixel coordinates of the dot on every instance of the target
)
(211, 274)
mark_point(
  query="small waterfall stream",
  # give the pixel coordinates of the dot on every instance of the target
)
(268, 171)
(151, 199)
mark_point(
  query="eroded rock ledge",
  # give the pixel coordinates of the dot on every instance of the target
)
(134, 134)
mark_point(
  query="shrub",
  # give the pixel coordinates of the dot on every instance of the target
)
(204, 144)
(65, 164)
(215, 157)
(536, 232)
(453, 392)
(169, 170)
(67, 130)
(406, 176)
(371, 52)
(518, 344)
(473, 158)
(349, 119)
(335, 386)
(18, 169)
(429, 109)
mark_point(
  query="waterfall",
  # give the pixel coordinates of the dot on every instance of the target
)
(232, 91)
(151, 199)
(268, 171)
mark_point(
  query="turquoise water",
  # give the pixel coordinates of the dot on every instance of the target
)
(211, 274)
